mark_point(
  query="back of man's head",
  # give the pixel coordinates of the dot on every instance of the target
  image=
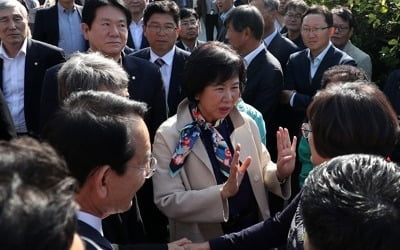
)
(91, 71)
(246, 16)
(352, 202)
(37, 208)
(94, 129)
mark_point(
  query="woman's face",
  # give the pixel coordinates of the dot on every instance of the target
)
(217, 100)
(316, 159)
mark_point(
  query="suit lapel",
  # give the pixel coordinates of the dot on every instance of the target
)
(53, 19)
(1, 74)
(323, 66)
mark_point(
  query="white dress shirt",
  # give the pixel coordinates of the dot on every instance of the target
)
(14, 85)
(137, 33)
(166, 69)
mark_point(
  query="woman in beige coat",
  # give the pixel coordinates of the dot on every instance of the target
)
(205, 185)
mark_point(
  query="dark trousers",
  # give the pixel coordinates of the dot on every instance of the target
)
(211, 22)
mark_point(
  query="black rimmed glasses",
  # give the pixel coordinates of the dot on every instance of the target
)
(314, 30)
(340, 28)
(306, 130)
(150, 169)
(158, 28)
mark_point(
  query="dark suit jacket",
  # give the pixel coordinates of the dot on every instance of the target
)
(145, 84)
(46, 25)
(298, 74)
(39, 57)
(7, 130)
(221, 33)
(175, 93)
(131, 44)
(180, 45)
(264, 83)
(281, 47)
(89, 232)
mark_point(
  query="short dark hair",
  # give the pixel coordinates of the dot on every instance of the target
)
(246, 16)
(353, 117)
(320, 10)
(352, 202)
(161, 7)
(343, 73)
(37, 204)
(93, 129)
(90, 10)
(296, 4)
(188, 12)
(345, 14)
(211, 62)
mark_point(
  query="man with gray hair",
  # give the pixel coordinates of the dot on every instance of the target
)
(23, 62)
(83, 71)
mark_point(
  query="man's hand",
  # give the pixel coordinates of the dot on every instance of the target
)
(179, 244)
(286, 154)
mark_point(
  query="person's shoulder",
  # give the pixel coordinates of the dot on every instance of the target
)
(181, 53)
(46, 10)
(35, 44)
(298, 55)
(287, 42)
(142, 53)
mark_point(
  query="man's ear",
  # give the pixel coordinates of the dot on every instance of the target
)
(101, 178)
(85, 30)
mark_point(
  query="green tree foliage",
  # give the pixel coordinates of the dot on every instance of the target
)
(377, 31)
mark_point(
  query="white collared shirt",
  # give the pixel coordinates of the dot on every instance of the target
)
(166, 69)
(269, 38)
(91, 220)
(314, 63)
(137, 33)
(249, 57)
(14, 85)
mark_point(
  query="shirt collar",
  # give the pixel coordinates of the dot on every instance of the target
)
(167, 58)
(138, 23)
(225, 14)
(61, 9)
(321, 55)
(249, 57)
(269, 38)
(91, 220)
(22, 50)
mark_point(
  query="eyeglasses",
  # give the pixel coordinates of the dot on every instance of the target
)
(313, 30)
(150, 169)
(190, 23)
(340, 28)
(293, 16)
(306, 130)
(158, 28)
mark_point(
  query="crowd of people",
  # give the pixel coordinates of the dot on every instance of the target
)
(121, 129)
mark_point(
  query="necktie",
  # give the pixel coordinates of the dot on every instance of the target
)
(160, 62)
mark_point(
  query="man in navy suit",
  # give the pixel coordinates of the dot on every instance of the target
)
(60, 25)
(23, 62)
(161, 27)
(106, 144)
(281, 47)
(190, 29)
(136, 38)
(305, 68)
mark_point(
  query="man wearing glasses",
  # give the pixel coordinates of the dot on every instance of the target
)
(343, 22)
(305, 68)
(161, 28)
(106, 144)
(190, 29)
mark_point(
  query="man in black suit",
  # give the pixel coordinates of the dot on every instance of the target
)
(23, 62)
(60, 25)
(7, 130)
(136, 38)
(264, 73)
(161, 27)
(305, 68)
(145, 83)
(190, 29)
(106, 144)
(281, 47)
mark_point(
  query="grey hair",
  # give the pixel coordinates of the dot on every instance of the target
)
(90, 71)
(14, 4)
(271, 4)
